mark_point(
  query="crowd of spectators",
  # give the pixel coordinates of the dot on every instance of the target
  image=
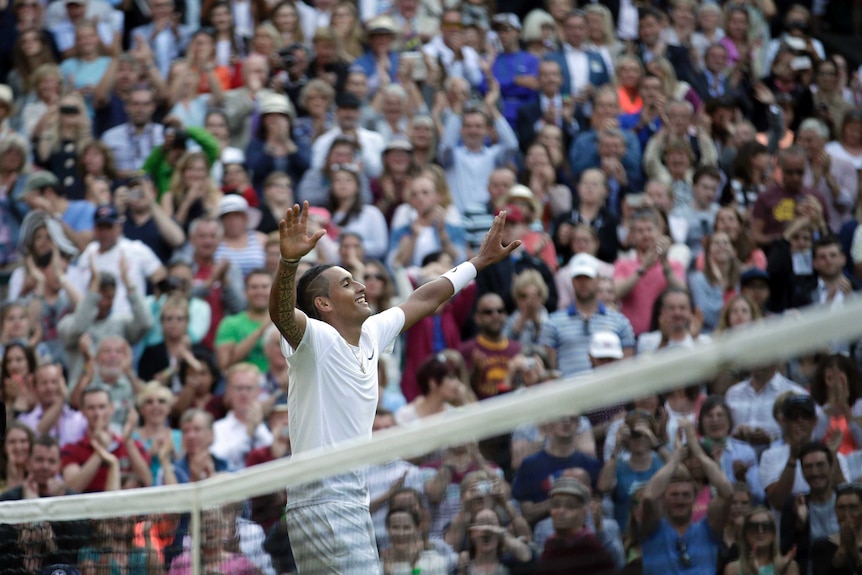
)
(673, 169)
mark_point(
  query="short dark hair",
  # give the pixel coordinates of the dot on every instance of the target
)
(257, 272)
(708, 405)
(414, 516)
(95, 388)
(649, 12)
(435, 368)
(706, 172)
(815, 447)
(825, 242)
(311, 285)
(44, 440)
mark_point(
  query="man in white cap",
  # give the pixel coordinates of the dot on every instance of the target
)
(569, 332)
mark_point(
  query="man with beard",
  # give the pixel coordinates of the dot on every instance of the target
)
(133, 141)
(672, 542)
(806, 518)
(488, 354)
(568, 332)
(780, 204)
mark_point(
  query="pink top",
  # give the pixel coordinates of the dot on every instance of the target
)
(236, 564)
(637, 305)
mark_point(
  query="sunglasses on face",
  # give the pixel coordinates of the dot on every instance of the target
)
(499, 311)
(760, 527)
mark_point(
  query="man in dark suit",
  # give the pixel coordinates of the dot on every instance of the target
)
(832, 285)
(712, 82)
(651, 46)
(583, 70)
(551, 108)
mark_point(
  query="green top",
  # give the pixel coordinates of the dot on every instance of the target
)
(156, 164)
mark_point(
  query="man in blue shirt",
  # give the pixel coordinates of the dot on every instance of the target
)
(514, 69)
(537, 473)
(568, 332)
(673, 544)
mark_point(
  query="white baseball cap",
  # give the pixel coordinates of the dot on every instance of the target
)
(606, 345)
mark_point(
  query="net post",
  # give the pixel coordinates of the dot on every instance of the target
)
(195, 533)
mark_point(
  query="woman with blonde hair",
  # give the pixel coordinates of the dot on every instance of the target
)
(316, 98)
(712, 288)
(540, 33)
(629, 73)
(602, 34)
(61, 133)
(744, 54)
(673, 88)
(758, 548)
(154, 401)
(46, 87)
(348, 31)
(530, 293)
(192, 193)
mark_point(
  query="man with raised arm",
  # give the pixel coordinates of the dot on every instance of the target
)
(332, 342)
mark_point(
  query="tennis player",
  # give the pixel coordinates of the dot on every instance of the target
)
(332, 342)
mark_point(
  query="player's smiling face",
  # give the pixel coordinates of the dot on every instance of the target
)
(347, 295)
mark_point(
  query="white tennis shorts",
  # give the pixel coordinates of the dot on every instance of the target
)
(333, 539)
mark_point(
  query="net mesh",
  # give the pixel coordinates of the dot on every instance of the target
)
(445, 493)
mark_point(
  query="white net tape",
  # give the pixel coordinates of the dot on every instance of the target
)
(773, 339)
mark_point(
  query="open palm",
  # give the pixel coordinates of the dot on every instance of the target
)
(294, 241)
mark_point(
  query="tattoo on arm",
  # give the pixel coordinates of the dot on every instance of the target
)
(283, 297)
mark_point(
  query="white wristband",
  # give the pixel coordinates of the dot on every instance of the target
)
(461, 275)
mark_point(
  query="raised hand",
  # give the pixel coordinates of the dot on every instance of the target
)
(782, 562)
(492, 249)
(294, 241)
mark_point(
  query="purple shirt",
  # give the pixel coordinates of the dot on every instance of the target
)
(71, 426)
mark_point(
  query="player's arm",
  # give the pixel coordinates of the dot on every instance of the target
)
(425, 300)
(294, 242)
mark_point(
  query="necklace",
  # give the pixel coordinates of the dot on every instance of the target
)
(357, 353)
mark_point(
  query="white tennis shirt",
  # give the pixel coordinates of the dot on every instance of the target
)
(332, 398)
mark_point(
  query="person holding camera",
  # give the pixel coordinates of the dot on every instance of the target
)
(163, 160)
(620, 477)
(144, 218)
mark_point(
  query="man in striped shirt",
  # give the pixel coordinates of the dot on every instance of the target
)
(568, 331)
